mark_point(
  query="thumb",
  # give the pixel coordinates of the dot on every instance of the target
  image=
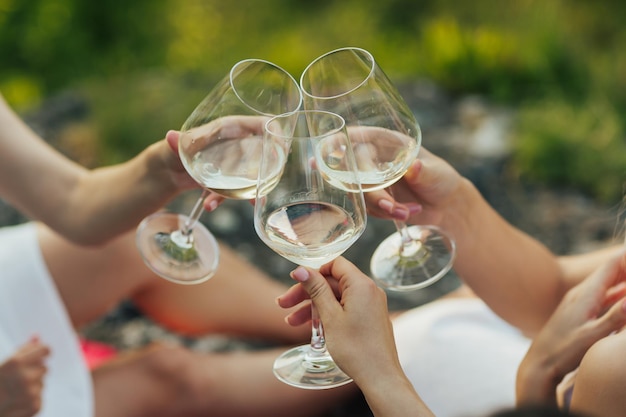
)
(425, 170)
(172, 139)
(412, 174)
(319, 290)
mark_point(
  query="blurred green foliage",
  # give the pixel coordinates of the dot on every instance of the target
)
(144, 64)
(573, 145)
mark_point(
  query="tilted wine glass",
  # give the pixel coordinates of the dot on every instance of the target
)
(386, 139)
(310, 212)
(220, 147)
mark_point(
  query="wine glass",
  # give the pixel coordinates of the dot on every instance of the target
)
(220, 147)
(386, 140)
(310, 212)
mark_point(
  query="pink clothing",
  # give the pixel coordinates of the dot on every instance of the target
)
(96, 353)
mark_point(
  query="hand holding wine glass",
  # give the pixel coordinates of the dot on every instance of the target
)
(309, 212)
(386, 140)
(219, 146)
(360, 333)
(351, 305)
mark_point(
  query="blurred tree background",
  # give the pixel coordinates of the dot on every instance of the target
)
(143, 65)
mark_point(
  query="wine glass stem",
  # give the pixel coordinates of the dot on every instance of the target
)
(318, 343)
(409, 247)
(195, 214)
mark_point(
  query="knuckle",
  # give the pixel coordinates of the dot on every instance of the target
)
(317, 289)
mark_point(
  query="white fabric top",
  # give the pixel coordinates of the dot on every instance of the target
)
(30, 305)
(461, 358)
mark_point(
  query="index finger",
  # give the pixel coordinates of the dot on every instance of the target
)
(292, 297)
(33, 351)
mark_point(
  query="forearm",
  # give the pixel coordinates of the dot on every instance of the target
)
(517, 276)
(34, 178)
(82, 205)
(536, 381)
(578, 267)
(394, 396)
(108, 201)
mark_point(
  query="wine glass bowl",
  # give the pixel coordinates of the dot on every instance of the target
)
(386, 139)
(220, 147)
(309, 213)
(223, 155)
(311, 210)
(220, 142)
(383, 131)
(383, 154)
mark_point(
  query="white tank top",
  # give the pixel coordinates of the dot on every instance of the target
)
(30, 305)
(461, 357)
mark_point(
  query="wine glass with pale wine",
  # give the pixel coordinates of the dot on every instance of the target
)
(386, 139)
(220, 147)
(310, 213)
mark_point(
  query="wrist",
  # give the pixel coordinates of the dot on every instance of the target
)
(394, 395)
(536, 381)
(162, 168)
(459, 212)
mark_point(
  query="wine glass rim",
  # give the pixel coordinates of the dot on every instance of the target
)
(367, 53)
(231, 80)
(336, 129)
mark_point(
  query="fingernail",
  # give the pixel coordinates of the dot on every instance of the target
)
(386, 205)
(414, 208)
(300, 274)
(400, 213)
(212, 205)
(624, 306)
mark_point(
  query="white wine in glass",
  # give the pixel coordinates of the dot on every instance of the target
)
(310, 214)
(386, 139)
(220, 146)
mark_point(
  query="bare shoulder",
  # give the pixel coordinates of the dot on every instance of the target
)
(601, 377)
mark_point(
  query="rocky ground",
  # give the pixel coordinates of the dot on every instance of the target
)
(467, 131)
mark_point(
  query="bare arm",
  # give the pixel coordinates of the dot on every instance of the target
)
(576, 268)
(85, 206)
(518, 277)
(513, 273)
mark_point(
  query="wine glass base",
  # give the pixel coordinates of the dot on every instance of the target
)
(429, 259)
(299, 368)
(173, 255)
